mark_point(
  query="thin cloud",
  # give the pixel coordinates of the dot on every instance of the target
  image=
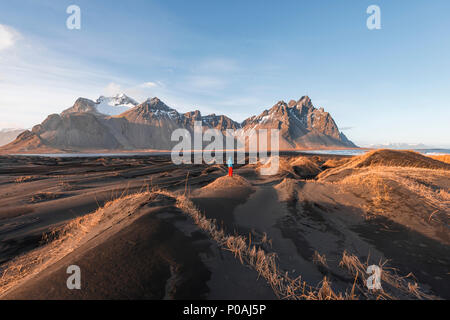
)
(37, 81)
(113, 89)
(8, 37)
(150, 84)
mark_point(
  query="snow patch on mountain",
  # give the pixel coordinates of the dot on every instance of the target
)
(113, 106)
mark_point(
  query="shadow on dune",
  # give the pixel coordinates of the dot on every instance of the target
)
(310, 225)
(410, 251)
(330, 229)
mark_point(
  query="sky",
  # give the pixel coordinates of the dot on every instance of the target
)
(235, 57)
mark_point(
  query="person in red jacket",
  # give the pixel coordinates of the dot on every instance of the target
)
(230, 167)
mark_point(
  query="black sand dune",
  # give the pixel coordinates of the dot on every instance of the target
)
(146, 247)
(160, 255)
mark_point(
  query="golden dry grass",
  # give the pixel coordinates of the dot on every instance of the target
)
(389, 277)
(372, 187)
(254, 256)
(385, 159)
(397, 158)
(227, 182)
(385, 186)
(334, 162)
(296, 166)
(443, 158)
(66, 239)
(392, 181)
(265, 263)
(24, 179)
(44, 196)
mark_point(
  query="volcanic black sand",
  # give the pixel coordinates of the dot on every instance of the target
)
(155, 250)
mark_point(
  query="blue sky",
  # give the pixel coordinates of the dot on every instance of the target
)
(236, 57)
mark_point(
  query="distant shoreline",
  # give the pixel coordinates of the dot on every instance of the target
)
(336, 151)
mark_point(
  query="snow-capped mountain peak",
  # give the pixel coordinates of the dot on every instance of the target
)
(115, 105)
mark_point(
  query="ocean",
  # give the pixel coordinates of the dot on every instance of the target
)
(343, 152)
(355, 152)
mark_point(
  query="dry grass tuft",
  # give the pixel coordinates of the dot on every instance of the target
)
(24, 179)
(404, 285)
(227, 182)
(334, 162)
(319, 259)
(373, 187)
(265, 240)
(44, 196)
(325, 291)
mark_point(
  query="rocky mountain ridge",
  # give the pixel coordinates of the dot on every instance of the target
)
(89, 125)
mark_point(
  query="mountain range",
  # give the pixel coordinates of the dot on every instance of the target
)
(9, 134)
(400, 146)
(121, 123)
